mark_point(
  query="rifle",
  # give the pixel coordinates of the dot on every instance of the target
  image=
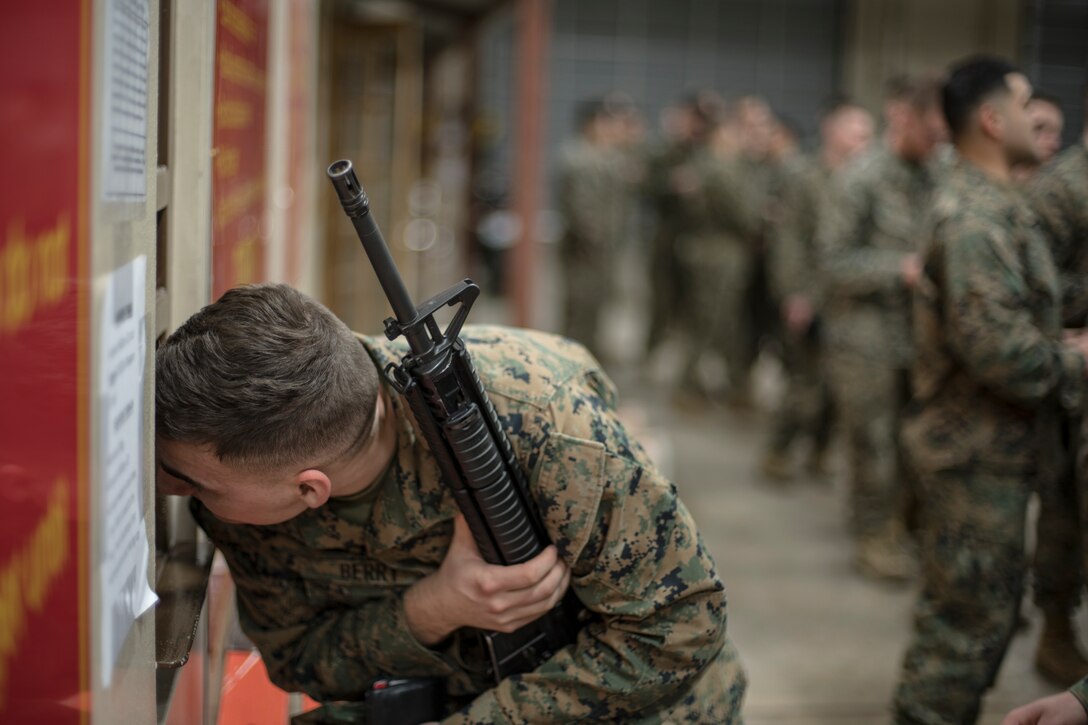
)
(462, 430)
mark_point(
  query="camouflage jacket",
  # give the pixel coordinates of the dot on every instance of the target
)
(1080, 691)
(592, 191)
(721, 208)
(321, 595)
(661, 162)
(991, 370)
(1059, 196)
(873, 219)
(792, 249)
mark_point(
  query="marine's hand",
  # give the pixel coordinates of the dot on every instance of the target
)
(1063, 709)
(798, 313)
(684, 180)
(1078, 341)
(466, 591)
(911, 270)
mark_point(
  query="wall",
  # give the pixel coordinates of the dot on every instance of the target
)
(886, 37)
(123, 227)
(786, 50)
(1056, 56)
(44, 335)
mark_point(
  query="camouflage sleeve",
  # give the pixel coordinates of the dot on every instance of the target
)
(330, 654)
(729, 200)
(848, 264)
(991, 330)
(639, 566)
(656, 185)
(1057, 209)
(790, 258)
(1080, 691)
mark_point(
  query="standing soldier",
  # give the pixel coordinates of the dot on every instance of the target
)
(631, 154)
(685, 126)
(716, 257)
(758, 129)
(590, 198)
(846, 130)
(991, 375)
(868, 241)
(1059, 196)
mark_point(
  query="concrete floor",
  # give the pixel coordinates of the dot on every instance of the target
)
(822, 646)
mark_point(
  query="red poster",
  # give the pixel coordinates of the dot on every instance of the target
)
(44, 67)
(299, 161)
(238, 180)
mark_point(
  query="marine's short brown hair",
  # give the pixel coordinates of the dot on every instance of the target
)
(923, 91)
(268, 377)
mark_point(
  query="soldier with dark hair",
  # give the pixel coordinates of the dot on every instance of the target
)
(761, 171)
(991, 378)
(685, 127)
(717, 258)
(591, 196)
(350, 558)
(1059, 196)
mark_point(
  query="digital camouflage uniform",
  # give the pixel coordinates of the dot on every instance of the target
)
(717, 256)
(1059, 197)
(990, 378)
(591, 197)
(806, 405)
(664, 268)
(321, 595)
(866, 230)
(763, 182)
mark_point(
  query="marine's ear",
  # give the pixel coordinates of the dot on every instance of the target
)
(991, 120)
(314, 487)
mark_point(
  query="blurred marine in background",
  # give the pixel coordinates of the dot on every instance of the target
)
(685, 127)
(1059, 197)
(869, 240)
(716, 256)
(592, 199)
(846, 130)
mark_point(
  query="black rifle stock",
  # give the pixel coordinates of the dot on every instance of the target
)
(462, 430)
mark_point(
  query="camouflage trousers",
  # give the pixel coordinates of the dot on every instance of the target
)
(588, 290)
(806, 408)
(717, 275)
(762, 323)
(870, 399)
(1080, 484)
(666, 287)
(973, 566)
(1057, 576)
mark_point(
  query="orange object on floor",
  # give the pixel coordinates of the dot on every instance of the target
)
(249, 697)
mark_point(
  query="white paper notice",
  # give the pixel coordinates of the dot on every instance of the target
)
(124, 108)
(122, 568)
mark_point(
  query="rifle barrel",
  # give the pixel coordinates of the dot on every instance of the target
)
(357, 207)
